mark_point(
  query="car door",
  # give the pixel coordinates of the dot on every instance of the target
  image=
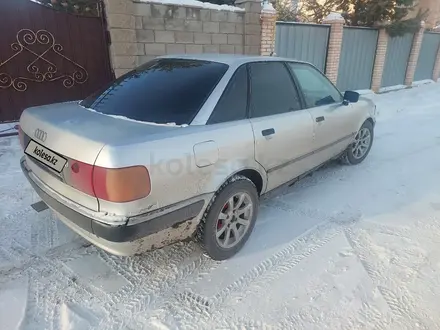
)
(283, 130)
(335, 123)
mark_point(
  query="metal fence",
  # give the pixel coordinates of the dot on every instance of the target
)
(427, 56)
(357, 58)
(304, 42)
(396, 60)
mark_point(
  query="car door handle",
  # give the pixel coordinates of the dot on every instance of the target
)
(319, 119)
(267, 132)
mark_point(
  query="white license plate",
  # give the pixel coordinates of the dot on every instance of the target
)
(45, 156)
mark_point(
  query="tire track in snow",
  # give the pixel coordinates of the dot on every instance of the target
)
(374, 317)
(49, 298)
(166, 290)
(23, 259)
(31, 316)
(422, 230)
(280, 263)
(362, 253)
(296, 319)
(43, 301)
(147, 275)
(271, 268)
(296, 209)
(290, 256)
(44, 234)
(148, 294)
(11, 218)
(399, 300)
(404, 307)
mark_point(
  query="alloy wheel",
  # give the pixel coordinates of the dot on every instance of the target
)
(361, 143)
(234, 220)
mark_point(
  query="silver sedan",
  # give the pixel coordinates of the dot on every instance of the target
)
(185, 146)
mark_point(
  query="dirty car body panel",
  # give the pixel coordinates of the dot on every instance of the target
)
(185, 124)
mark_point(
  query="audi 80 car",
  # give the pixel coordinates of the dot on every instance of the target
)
(185, 146)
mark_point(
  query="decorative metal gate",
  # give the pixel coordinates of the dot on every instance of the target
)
(48, 55)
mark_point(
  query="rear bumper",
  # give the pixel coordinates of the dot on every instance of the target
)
(87, 226)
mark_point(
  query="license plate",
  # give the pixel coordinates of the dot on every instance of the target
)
(45, 156)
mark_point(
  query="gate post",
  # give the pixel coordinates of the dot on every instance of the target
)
(436, 73)
(121, 26)
(251, 25)
(379, 61)
(414, 55)
(334, 45)
(268, 26)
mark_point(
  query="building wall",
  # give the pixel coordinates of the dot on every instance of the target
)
(433, 6)
(433, 18)
(434, 11)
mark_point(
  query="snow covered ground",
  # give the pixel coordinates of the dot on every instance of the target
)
(348, 248)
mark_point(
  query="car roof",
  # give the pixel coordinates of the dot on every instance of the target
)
(230, 59)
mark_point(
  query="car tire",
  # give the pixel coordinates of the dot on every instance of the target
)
(357, 151)
(217, 217)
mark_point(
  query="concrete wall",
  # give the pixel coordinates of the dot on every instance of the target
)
(140, 31)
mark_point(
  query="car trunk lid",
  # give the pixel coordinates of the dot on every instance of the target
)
(56, 135)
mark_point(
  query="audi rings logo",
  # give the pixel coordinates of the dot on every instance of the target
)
(40, 135)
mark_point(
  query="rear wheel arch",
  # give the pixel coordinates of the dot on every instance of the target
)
(255, 173)
(254, 176)
(371, 121)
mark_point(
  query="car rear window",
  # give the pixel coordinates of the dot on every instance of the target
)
(161, 91)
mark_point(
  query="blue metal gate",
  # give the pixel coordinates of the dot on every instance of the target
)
(357, 58)
(304, 42)
(396, 60)
(427, 56)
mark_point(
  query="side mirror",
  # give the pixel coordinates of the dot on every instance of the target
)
(350, 97)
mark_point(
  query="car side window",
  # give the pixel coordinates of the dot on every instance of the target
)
(272, 90)
(316, 88)
(233, 103)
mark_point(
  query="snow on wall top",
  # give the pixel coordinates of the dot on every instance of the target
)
(268, 8)
(334, 17)
(195, 3)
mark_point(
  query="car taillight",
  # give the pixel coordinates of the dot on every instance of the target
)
(81, 176)
(121, 184)
(117, 185)
(21, 136)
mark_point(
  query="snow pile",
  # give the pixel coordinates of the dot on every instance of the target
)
(6, 128)
(392, 88)
(13, 298)
(422, 82)
(195, 3)
(268, 8)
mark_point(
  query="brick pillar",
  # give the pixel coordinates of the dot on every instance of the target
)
(252, 25)
(436, 73)
(121, 25)
(379, 61)
(414, 55)
(336, 22)
(268, 25)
